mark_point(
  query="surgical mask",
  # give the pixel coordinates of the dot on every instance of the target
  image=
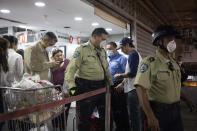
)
(171, 46)
(103, 43)
(110, 52)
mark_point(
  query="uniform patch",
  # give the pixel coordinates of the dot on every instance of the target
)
(143, 68)
(76, 54)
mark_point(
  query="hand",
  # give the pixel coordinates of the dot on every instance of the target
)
(72, 91)
(66, 95)
(119, 88)
(56, 63)
(118, 76)
(190, 105)
(153, 123)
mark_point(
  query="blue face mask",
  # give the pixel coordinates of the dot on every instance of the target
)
(110, 53)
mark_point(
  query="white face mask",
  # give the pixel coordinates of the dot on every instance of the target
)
(110, 52)
(103, 43)
(171, 46)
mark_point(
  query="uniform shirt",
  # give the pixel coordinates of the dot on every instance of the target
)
(131, 69)
(37, 61)
(161, 77)
(117, 64)
(85, 64)
(15, 73)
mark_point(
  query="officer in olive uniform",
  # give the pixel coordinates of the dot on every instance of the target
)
(158, 83)
(87, 71)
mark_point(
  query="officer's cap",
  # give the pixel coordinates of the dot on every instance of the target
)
(162, 31)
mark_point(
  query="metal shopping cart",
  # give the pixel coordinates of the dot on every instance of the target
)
(49, 119)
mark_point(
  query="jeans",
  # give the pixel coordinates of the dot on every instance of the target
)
(120, 111)
(134, 111)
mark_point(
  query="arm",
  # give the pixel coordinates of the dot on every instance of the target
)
(133, 61)
(37, 65)
(133, 65)
(144, 102)
(19, 68)
(123, 63)
(72, 68)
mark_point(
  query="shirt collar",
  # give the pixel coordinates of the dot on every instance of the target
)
(93, 47)
(113, 56)
(11, 50)
(40, 46)
(162, 58)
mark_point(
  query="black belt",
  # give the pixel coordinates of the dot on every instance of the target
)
(99, 82)
(155, 104)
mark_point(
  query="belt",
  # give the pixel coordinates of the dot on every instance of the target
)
(90, 81)
(155, 104)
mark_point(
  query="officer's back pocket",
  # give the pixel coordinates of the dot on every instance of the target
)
(163, 75)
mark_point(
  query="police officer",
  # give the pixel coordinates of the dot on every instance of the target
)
(117, 64)
(158, 83)
(87, 71)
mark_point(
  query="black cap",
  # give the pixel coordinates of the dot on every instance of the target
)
(126, 41)
(162, 31)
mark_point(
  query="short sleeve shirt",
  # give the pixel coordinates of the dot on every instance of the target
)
(161, 77)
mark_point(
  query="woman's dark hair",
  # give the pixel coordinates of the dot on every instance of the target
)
(21, 52)
(4, 55)
(56, 51)
(12, 39)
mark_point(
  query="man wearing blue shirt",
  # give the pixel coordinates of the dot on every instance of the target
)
(127, 47)
(117, 64)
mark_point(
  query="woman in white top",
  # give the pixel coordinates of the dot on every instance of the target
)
(4, 68)
(15, 62)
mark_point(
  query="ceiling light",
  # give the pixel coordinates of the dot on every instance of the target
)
(78, 19)
(5, 11)
(108, 29)
(22, 26)
(39, 4)
(95, 24)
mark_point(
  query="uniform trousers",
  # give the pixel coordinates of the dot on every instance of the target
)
(168, 115)
(86, 107)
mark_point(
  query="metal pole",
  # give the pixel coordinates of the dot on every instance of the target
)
(107, 108)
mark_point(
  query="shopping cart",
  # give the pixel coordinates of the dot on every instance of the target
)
(50, 119)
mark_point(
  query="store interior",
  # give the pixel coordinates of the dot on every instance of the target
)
(71, 20)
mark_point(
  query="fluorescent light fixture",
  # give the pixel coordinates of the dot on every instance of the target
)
(22, 26)
(39, 4)
(108, 29)
(5, 11)
(95, 24)
(78, 18)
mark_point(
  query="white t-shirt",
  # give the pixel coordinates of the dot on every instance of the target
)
(129, 82)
